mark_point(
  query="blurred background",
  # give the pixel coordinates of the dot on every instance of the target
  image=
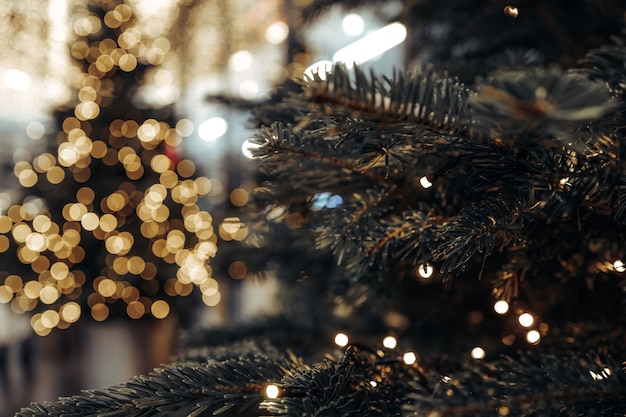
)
(125, 172)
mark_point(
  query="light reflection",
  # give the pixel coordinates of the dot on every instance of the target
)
(212, 129)
(372, 45)
(16, 79)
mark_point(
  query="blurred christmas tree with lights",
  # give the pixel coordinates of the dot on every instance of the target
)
(111, 226)
(473, 209)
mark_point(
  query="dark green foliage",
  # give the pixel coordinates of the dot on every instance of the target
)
(185, 389)
(555, 385)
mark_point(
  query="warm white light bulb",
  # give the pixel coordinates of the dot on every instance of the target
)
(272, 391)
(425, 271)
(533, 337)
(478, 353)
(341, 339)
(425, 182)
(526, 319)
(390, 342)
(409, 358)
(373, 383)
(501, 307)
(619, 266)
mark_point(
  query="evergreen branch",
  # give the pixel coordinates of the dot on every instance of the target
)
(607, 64)
(498, 218)
(342, 228)
(537, 103)
(316, 392)
(550, 385)
(188, 389)
(433, 101)
(280, 147)
(347, 388)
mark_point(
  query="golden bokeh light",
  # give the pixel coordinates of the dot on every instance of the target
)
(160, 309)
(100, 312)
(6, 293)
(130, 208)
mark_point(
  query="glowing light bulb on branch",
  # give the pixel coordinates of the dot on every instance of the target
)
(526, 319)
(533, 337)
(390, 342)
(501, 307)
(425, 271)
(272, 391)
(478, 353)
(341, 339)
(409, 358)
(425, 182)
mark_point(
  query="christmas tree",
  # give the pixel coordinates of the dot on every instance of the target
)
(109, 224)
(449, 238)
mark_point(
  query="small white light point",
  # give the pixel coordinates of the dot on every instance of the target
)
(526, 319)
(425, 271)
(373, 384)
(390, 342)
(533, 337)
(501, 307)
(619, 266)
(409, 358)
(272, 391)
(478, 353)
(425, 182)
(341, 339)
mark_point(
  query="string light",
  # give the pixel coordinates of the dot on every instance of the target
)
(390, 342)
(341, 339)
(526, 319)
(511, 11)
(501, 307)
(606, 372)
(272, 391)
(478, 353)
(425, 271)
(533, 337)
(619, 266)
(373, 384)
(409, 358)
(425, 182)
